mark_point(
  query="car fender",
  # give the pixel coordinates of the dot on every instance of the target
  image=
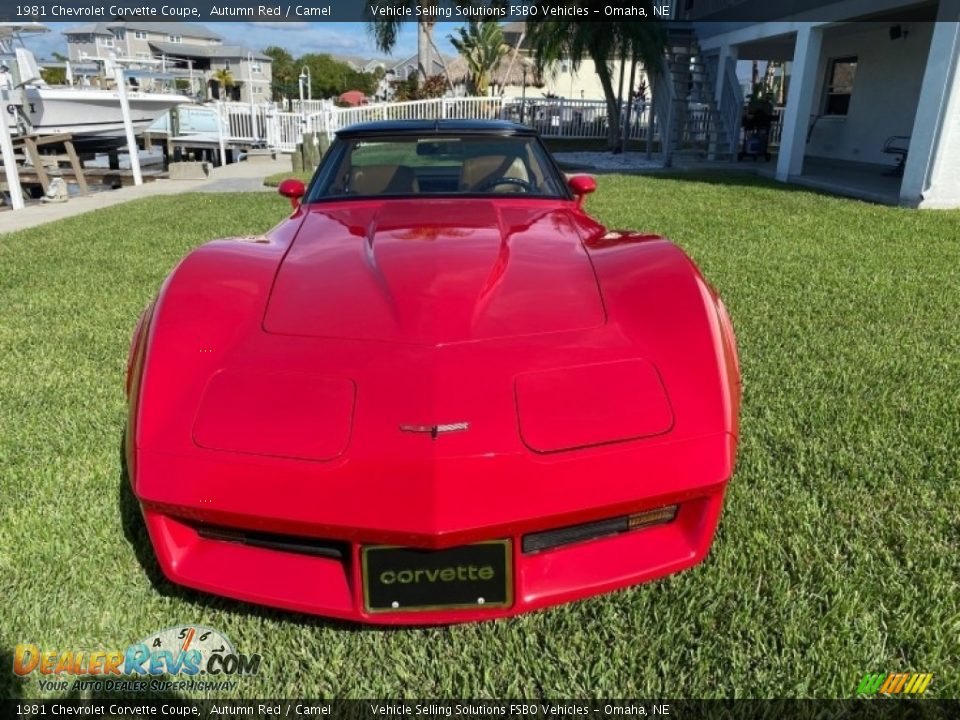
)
(660, 301)
(211, 299)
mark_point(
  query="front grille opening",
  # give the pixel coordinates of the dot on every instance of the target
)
(537, 542)
(273, 541)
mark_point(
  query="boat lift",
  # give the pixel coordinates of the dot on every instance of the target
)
(6, 141)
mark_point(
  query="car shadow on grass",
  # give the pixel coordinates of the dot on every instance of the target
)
(135, 532)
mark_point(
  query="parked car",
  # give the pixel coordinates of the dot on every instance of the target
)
(438, 391)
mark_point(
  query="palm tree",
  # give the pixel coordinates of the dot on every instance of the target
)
(387, 16)
(482, 46)
(643, 41)
(224, 78)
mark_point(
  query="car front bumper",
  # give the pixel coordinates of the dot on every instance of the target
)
(333, 586)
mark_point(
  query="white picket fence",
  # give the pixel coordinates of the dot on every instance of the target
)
(268, 125)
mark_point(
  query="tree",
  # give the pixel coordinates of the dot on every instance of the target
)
(601, 41)
(482, 46)
(55, 76)
(412, 89)
(224, 79)
(386, 18)
(330, 77)
(285, 72)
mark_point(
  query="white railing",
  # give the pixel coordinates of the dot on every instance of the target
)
(552, 117)
(247, 122)
(286, 129)
(268, 125)
(776, 127)
(308, 107)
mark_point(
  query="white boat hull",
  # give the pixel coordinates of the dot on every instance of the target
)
(90, 113)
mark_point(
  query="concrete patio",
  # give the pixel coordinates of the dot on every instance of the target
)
(863, 181)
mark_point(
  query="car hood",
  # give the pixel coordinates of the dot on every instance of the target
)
(435, 272)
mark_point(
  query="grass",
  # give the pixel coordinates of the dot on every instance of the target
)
(839, 547)
(275, 179)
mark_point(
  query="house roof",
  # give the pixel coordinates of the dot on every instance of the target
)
(89, 29)
(512, 32)
(183, 29)
(208, 52)
(412, 61)
(460, 71)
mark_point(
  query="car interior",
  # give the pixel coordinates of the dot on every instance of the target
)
(442, 166)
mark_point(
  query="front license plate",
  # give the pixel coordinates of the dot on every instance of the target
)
(476, 576)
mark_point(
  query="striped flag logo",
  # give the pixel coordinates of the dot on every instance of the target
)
(894, 683)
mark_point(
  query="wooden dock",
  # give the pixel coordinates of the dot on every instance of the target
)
(40, 158)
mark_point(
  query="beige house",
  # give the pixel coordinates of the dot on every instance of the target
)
(559, 79)
(187, 50)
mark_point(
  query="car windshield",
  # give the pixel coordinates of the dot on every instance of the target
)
(442, 165)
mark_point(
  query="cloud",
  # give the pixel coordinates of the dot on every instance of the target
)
(287, 25)
(342, 38)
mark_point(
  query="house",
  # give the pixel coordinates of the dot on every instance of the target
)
(870, 83)
(508, 79)
(558, 79)
(187, 50)
(402, 70)
(407, 67)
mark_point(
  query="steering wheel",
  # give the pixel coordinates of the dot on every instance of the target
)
(518, 182)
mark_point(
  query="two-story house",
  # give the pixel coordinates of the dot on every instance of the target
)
(187, 50)
(869, 82)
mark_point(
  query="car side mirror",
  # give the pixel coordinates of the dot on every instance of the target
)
(294, 190)
(581, 186)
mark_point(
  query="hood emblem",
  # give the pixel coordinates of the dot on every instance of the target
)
(435, 430)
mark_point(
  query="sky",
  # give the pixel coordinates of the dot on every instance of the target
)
(337, 38)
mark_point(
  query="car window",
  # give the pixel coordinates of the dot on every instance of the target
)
(368, 167)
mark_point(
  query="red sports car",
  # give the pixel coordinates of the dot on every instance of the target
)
(439, 391)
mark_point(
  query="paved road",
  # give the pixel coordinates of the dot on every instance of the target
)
(238, 177)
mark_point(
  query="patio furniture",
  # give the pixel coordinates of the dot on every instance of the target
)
(756, 121)
(898, 145)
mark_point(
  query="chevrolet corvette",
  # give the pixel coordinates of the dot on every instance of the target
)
(439, 391)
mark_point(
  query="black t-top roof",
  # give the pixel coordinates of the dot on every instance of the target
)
(439, 127)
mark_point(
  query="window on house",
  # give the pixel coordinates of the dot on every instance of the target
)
(120, 34)
(839, 88)
(256, 67)
(143, 56)
(174, 38)
(106, 42)
(226, 64)
(140, 35)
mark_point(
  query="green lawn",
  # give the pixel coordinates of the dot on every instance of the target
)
(839, 547)
(275, 179)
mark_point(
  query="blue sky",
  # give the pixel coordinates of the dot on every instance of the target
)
(341, 38)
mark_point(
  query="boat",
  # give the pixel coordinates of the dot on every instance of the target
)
(91, 115)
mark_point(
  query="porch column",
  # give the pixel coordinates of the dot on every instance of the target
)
(931, 176)
(796, 115)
